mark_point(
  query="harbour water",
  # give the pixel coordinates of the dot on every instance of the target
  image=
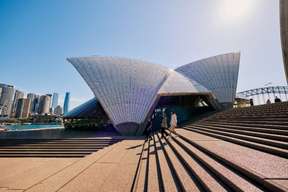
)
(26, 127)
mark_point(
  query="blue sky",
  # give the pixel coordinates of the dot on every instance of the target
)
(36, 37)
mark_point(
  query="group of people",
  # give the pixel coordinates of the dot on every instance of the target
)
(276, 100)
(164, 125)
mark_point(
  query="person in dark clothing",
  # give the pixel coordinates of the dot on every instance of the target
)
(277, 100)
(251, 102)
(268, 102)
(164, 125)
(148, 129)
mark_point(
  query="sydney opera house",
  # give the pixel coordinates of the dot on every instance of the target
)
(128, 91)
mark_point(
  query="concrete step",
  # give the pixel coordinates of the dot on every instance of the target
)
(261, 122)
(243, 132)
(253, 129)
(252, 117)
(184, 180)
(62, 143)
(142, 179)
(52, 155)
(52, 147)
(166, 172)
(203, 178)
(56, 145)
(268, 142)
(47, 150)
(241, 110)
(275, 130)
(272, 126)
(228, 179)
(276, 114)
(248, 177)
(136, 176)
(252, 113)
(158, 166)
(247, 119)
(61, 140)
(153, 181)
(264, 148)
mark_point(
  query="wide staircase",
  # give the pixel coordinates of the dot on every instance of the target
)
(66, 147)
(241, 149)
(264, 127)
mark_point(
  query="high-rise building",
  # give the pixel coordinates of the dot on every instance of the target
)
(66, 103)
(54, 101)
(0, 91)
(6, 99)
(58, 110)
(44, 104)
(35, 104)
(23, 108)
(32, 98)
(18, 95)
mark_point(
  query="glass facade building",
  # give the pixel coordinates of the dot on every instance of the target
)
(54, 101)
(66, 103)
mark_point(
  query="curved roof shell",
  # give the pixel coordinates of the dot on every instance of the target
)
(86, 110)
(218, 74)
(177, 83)
(125, 88)
(128, 89)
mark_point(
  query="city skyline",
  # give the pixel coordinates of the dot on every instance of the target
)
(15, 103)
(173, 37)
(60, 97)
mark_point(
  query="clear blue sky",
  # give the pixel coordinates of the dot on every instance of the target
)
(36, 37)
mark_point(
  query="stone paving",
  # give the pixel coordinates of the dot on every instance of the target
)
(114, 168)
(110, 169)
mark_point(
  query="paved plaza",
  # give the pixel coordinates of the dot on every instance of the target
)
(152, 165)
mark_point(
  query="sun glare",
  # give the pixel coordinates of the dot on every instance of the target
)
(235, 10)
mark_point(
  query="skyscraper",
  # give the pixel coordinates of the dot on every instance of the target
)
(23, 108)
(58, 110)
(66, 103)
(18, 95)
(54, 101)
(33, 103)
(44, 104)
(6, 99)
(31, 96)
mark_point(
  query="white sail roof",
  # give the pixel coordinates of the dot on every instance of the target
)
(218, 74)
(177, 83)
(126, 88)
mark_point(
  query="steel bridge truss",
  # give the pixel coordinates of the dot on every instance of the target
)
(265, 92)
